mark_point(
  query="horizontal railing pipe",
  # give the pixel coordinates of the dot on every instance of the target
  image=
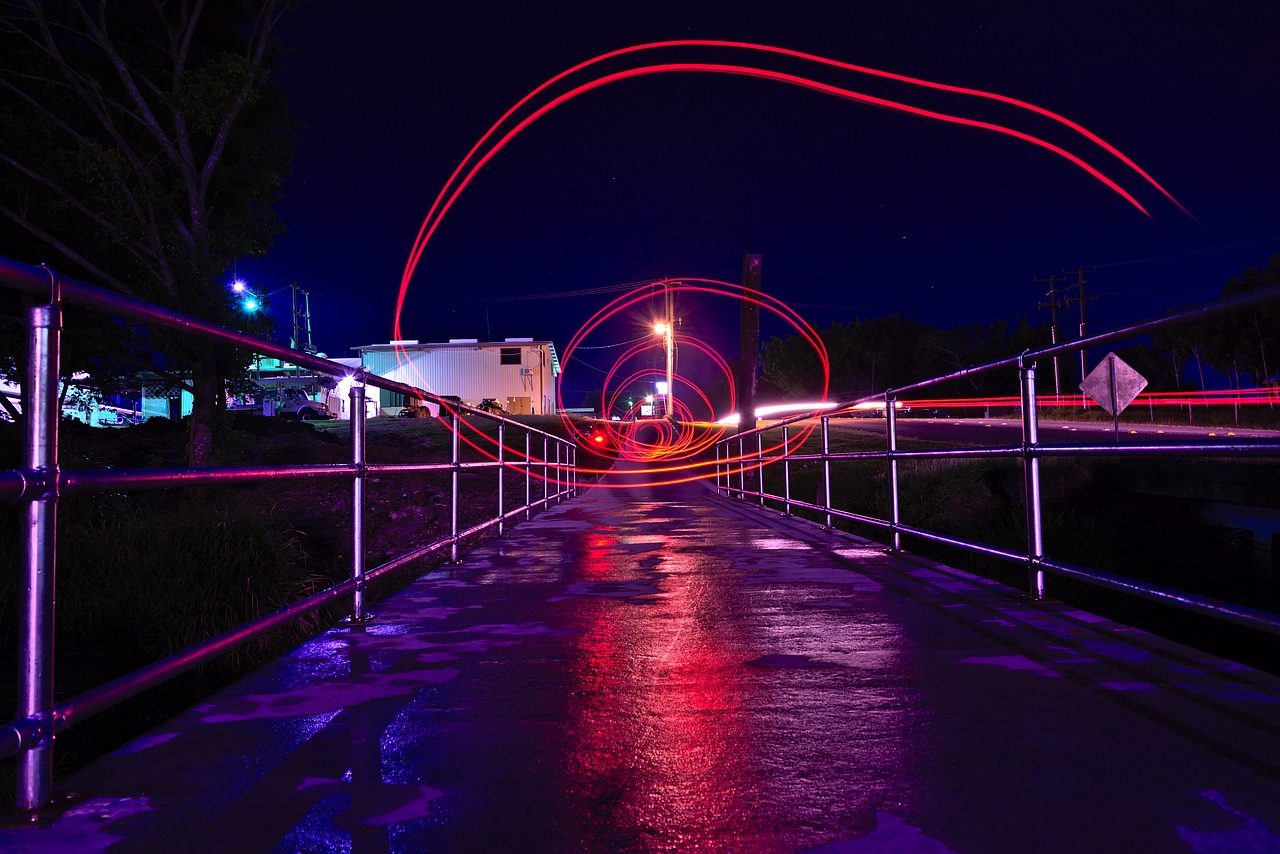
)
(954, 453)
(121, 480)
(118, 690)
(961, 543)
(16, 484)
(17, 736)
(1267, 449)
(1239, 614)
(1031, 451)
(406, 468)
(37, 482)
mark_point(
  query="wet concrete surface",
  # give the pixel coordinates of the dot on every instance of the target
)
(661, 669)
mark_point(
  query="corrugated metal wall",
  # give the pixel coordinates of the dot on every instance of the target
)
(473, 372)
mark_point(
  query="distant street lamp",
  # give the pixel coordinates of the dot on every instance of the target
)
(251, 302)
(667, 331)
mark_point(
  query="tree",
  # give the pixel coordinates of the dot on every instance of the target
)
(791, 366)
(1249, 342)
(143, 142)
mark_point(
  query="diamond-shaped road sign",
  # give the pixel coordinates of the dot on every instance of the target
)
(1113, 384)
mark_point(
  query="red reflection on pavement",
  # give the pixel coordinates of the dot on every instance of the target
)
(658, 739)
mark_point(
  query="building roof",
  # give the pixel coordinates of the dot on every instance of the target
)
(466, 344)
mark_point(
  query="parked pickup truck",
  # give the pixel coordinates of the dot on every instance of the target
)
(294, 403)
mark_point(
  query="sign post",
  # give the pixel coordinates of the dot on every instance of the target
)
(1113, 385)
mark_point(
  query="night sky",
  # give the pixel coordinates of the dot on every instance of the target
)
(856, 210)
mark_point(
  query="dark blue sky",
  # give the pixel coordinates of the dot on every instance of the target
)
(856, 210)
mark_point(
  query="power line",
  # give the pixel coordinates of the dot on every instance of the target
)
(1225, 247)
(619, 344)
(582, 292)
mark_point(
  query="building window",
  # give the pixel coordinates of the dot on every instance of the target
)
(390, 398)
(509, 356)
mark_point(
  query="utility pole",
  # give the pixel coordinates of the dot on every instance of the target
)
(671, 349)
(1052, 304)
(1081, 299)
(749, 351)
(301, 321)
(667, 329)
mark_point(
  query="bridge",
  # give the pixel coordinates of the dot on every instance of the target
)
(665, 669)
(640, 665)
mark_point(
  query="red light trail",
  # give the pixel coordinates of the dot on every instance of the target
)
(677, 445)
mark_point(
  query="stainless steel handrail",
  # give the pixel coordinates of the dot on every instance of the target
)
(38, 485)
(731, 460)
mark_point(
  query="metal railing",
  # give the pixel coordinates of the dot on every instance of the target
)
(745, 453)
(39, 483)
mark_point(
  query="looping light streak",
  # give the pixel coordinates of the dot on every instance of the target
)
(671, 455)
(677, 445)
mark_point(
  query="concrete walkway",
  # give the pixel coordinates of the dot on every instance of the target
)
(666, 670)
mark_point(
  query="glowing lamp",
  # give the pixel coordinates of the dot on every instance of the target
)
(660, 328)
(251, 304)
(597, 438)
(344, 386)
(238, 285)
(648, 398)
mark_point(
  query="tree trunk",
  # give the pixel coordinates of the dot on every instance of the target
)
(206, 385)
(1235, 369)
(1200, 370)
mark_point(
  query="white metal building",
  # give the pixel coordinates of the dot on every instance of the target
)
(519, 373)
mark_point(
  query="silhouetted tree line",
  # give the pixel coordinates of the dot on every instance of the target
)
(1241, 347)
(869, 355)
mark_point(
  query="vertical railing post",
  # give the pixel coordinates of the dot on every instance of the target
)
(891, 442)
(528, 473)
(826, 468)
(742, 471)
(1031, 474)
(35, 686)
(546, 485)
(717, 475)
(358, 445)
(560, 482)
(760, 465)
(786, 471)
(455, 477)
(502, 523)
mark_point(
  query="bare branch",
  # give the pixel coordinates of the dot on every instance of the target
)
(93, 100)
(258, 47)
(124, 240)
(147, 118)
(66, 250)
(188, 29)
